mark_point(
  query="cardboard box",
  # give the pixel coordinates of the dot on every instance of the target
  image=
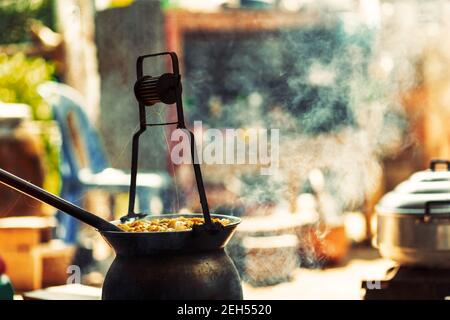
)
(21, 234)
(24, 269)
(32, 259)
(43, 266)
(56, 257)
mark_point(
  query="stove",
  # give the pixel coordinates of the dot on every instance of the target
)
(409, 283)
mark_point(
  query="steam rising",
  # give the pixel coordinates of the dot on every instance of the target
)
(334, 89)
(327, 87)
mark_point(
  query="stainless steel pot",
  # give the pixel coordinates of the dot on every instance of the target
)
(414, 219)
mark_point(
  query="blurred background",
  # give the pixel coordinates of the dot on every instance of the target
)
(359, 90)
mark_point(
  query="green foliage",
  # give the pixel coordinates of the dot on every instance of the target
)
(16, 15)
(19, 78)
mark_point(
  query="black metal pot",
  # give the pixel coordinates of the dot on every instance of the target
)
(172, 265)
(206, 275)
(156, 265)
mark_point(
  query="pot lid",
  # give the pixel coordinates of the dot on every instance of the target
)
(439, 171)
(404, 203)
(410, 186)
(425, 192)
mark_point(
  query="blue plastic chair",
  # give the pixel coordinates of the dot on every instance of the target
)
(83, 162)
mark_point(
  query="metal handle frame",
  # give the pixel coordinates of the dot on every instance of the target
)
(180, 125)
(435, 162)
(428, 206)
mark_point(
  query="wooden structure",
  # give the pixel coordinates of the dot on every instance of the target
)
(179, 22)
(32, 260)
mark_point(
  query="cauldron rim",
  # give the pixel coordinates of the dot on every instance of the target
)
(149, 243)
(234, 222)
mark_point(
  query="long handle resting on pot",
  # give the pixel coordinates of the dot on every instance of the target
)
(33, 191)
